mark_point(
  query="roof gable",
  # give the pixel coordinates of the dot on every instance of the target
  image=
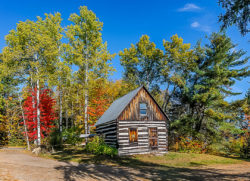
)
(118, 106)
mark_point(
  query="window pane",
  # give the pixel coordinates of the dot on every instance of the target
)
(143, 111)
(143, 106)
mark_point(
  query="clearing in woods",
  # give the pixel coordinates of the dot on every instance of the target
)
(21, 166)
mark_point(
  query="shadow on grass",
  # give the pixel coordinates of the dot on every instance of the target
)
(246, 159)
(129, 168)
(238, 158)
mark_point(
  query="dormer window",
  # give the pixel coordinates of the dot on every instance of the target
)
(143, 109)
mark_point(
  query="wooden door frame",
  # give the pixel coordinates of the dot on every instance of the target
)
(156, 148)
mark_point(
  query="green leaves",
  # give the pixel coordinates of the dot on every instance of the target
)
(34, 47)
(142, 62)
(197, 79)
(85, 43)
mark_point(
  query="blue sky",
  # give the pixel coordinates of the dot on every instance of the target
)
(125, 22)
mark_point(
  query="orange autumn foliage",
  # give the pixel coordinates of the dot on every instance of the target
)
(102, 94)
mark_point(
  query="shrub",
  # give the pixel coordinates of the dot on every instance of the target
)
(99, 147)
(72, 136)
(186, 144)
(55, 138)
(231, 146)
(16, 140)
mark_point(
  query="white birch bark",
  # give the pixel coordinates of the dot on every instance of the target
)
(60, 107)
(38, 114)
(86, 100)
(25, 126)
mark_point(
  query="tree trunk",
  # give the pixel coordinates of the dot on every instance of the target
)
(60, 111)
(72, 113)
(33, 106)
(38, 115)
(25, 126)
(79, 104)
(86, 99)
(67, 119)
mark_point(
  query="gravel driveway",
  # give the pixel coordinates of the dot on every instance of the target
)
(18, 166)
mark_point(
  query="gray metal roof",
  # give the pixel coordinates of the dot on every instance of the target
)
(117, 107)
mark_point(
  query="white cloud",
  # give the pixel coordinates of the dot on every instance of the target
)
(198, 26)
(189, 7)
(195, 24)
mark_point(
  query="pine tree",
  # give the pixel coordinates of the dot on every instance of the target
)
(202, 97)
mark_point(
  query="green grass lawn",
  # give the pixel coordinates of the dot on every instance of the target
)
(172, 159)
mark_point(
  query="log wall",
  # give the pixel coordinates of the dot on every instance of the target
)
(109, 132)
(142, 147)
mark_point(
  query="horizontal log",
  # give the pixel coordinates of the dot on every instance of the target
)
(109, 139)
(161, 129)
(133, 147)
(162, 134)
(133, 150)
(141, 125)
(106, 128)
(122, 129)
(110, 142)
(107, 123)
(140, 121)
(119, 134)
(110, 132)
(124, 154)
(111, 136)
(123, 141)
(162, 137)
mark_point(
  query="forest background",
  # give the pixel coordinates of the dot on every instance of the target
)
(56, 82)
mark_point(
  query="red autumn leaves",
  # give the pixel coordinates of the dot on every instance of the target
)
(47, 116)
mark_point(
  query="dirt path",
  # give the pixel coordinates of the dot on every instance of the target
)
(16, 165)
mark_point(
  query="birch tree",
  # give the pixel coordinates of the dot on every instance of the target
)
(88, 50)
(32, 52)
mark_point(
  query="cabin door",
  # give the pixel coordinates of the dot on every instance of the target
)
(153, 138)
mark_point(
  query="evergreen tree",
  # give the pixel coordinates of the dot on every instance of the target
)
(237, 12)
(203, 95)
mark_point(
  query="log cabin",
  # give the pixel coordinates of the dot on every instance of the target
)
(134, 124)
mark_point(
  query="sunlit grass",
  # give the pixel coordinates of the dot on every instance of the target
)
(172, 159)
(187, 159)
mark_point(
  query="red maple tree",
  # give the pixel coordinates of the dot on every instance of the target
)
(47, 116)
